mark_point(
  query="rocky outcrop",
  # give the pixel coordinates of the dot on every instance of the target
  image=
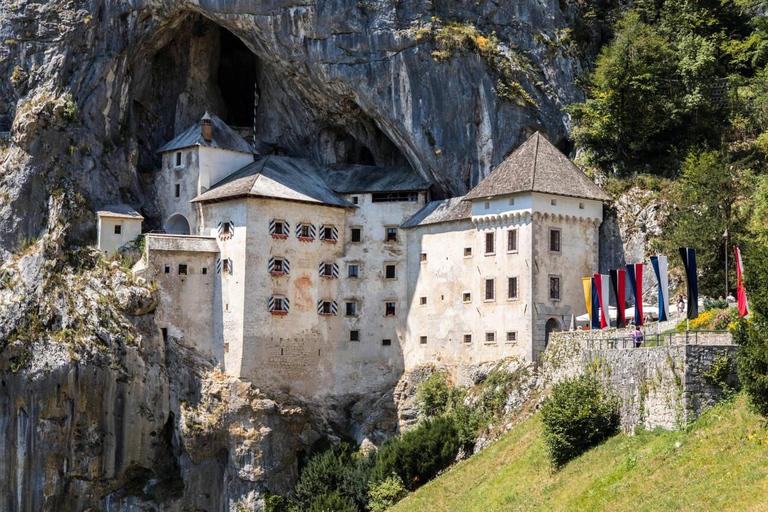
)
(336, 81)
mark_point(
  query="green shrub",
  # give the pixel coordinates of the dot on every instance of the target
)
(419, 454)
(719, 372)
(332, 502)
(715, 304)
(385, 494)
(577, 416)
(336, 470)
(432, 395)
(275, 503)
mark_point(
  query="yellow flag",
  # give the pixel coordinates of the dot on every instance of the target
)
(586, 282)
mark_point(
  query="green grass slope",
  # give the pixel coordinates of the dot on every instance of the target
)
(719, 463)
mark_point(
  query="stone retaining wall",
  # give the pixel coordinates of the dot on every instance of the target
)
(658, 386)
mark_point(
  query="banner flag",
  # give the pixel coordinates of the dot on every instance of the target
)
(594, 316)
(618, 283)
(635, 278)
(601, 284)
(688, 256)
(741, 294)
(660, 268)
(586, 283)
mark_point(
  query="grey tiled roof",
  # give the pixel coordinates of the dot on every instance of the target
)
(368, 178)
(222, 137)
(537, 166)
(120, 211)
(441, 211)
(277, 177)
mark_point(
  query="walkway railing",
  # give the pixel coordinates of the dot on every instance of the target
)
(663, 339)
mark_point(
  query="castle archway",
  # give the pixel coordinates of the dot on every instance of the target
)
(177, 224)
(552, 325)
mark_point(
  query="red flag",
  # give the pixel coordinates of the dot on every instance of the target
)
(741, 295)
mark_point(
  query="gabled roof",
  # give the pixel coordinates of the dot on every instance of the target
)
(537, 166)
(435, 212)
(119, 211)
(276, 177)
(369, 178)
(222, 137)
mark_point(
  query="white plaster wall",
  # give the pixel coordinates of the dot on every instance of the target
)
(187, 177)
(498, 205)
(108, 241)
(538, 202)
(216, 164)
(443, 279)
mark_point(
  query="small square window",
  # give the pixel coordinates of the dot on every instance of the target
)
(351, 308)
(389, 272)
(511, 336)
(167, 269)
(355, 199)
(306, 231)
(490, 337)
(487, 205)
(554, 287)
(326, 308)
(353, 271)
(581, 206)
(553, 202)
(178, 190)
(182, 269)
(422, 340)
(490, 289)
(422, 301)
(389, 309)
(466, 297)
(204, 270)
(278, 266)
(226, 266)
(118, 229)
(226, 348)
(467, 252)
(512, 240)
(327, 270)
(467, 338)
(280, 228)
(279, 304)
(328, 233)
(423, 257)
(357, 234)
(391, 234)
(178, 159)
(511, 201)
(490, 243)
(554, 240)
(386, 342)
(354, 335)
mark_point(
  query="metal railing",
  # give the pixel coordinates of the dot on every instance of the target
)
(662, 339)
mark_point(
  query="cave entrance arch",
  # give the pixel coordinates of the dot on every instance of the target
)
(552, 325)
(177, 224)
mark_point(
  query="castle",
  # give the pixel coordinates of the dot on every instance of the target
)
(329, 281)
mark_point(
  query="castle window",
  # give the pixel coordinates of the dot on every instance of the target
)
(329, 234)
(511, 201)
(554, 240)
(389, 272)
(164, 332)
(356, 235)
(466, 297)
(511, 288)
(182, 269)
(511, 336)
(355, 199)
(423, 257)
(305, 232)
(167, 269)
(279, 228)
(487, 205)
(177, 191)
(351, 308)
(422, 340)
(224, 266)
(467, 338)
(178, 160)
(226, 230)
(553, 202)
(327, 308)
(391, 235)
(204, 271)
(353, 271)
(329, 270)
(389, 309)
(490, 337)
(490, 289)
(386, 342)
(118, 229)
(422, 301)
(354, 335)
(278, 305)
(554, 287)
(512, 240)
(467, 252)
(490, 243)
(389, 197)
(278, 266)
(581, 206)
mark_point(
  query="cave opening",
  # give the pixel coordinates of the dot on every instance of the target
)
(237, 78)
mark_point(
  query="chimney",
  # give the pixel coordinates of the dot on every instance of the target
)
(206, 129)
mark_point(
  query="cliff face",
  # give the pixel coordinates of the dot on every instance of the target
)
(338, 81)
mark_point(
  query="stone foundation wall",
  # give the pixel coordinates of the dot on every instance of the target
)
(658, 386)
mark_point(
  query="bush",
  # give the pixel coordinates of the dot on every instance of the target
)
(715, 304)
(275, 503)
(432, 395)
(420, 454)
(577, 416)
(385, 494)
(332, 502)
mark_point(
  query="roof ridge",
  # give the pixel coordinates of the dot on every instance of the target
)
(535, 159)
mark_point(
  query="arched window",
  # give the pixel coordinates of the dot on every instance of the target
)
(552, 325)
(177, 225)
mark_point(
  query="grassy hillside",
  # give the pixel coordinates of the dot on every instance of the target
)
(719, 463)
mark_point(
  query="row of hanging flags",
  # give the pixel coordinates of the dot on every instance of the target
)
(596, 290)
